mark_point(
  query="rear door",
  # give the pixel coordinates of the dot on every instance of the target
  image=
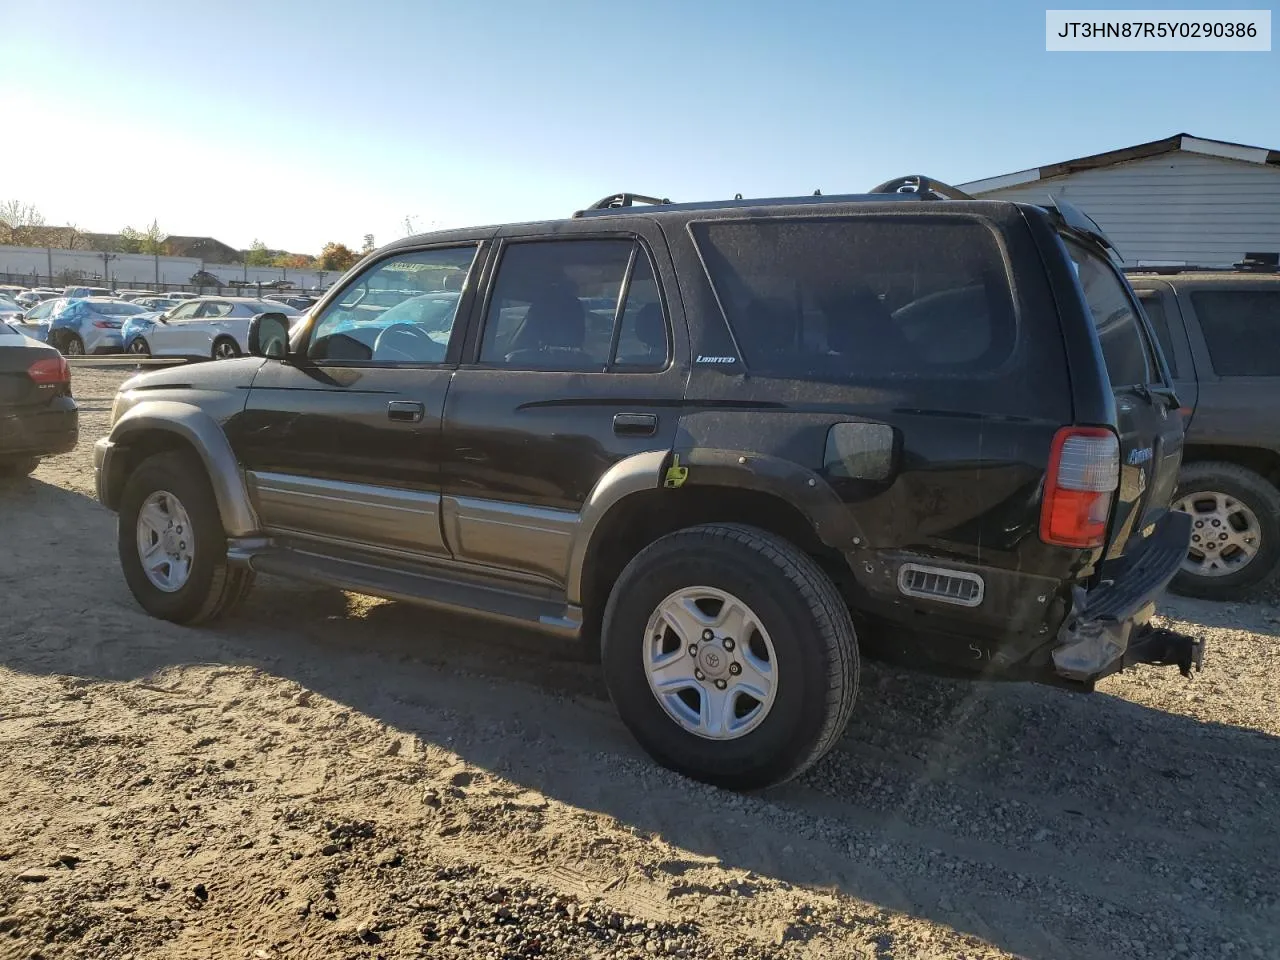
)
(1151, 432)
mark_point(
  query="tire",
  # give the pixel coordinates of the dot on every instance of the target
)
(814, 646)
(1258, 497)
(19, 467)
(212, 588)
(139, 345)
(70, 345)
(224, 348)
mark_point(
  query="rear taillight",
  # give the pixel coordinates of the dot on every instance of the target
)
(1083, 476)
(50, 370)
(107, 324)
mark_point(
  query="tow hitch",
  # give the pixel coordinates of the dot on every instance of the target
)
(1163, 647)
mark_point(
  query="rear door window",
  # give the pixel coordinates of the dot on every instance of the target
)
(862, 296)
(1124, 348)
(1237, 326)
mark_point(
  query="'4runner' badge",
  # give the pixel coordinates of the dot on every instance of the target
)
(1138, 455)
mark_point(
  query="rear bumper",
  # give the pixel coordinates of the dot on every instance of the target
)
(41, 432)
(1105, 629)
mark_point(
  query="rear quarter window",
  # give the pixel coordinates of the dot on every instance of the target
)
(863, 297)
(1236, 325)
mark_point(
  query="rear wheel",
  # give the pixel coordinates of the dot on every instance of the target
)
(224, 348)
(172, 547)
(730, 655)
(1235, 532)
(18, 466)
(139, 345)
(71, 345)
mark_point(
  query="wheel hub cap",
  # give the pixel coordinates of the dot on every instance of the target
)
(710, 662)
(166, 542)
(1225, 535)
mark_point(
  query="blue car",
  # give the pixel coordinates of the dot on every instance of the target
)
(85, 326)
(135, 329)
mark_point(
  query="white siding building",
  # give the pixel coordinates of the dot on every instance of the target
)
(1182, 200)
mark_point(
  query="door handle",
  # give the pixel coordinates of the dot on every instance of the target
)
(635, 424)
(405, 411)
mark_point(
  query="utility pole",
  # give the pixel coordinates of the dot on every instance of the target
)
(106, 270)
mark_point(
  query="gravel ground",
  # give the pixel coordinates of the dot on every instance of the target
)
(332, 776)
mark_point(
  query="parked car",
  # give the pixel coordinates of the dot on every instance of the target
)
(11, 292)
(30, 298)
(206, 328)
(801, 415)
(38, 416)
(10, 311)
(82, 326)
(1220, 330)
(81, 292)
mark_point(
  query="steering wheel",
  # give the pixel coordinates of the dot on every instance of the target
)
(406, 340)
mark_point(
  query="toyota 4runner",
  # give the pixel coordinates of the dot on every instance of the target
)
(724, 444)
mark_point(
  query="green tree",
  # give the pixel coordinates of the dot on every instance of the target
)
(130, 241)
(336, 257)
(258, 255)
(293, 261)
(152, 240)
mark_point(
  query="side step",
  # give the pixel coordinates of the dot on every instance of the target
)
(470, 594)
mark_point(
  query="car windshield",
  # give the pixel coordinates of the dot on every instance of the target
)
(274, 306)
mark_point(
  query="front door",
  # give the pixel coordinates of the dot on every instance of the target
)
(574, 368)
(342, 441)
(168, 337)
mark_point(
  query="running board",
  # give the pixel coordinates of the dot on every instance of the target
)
(472, 595)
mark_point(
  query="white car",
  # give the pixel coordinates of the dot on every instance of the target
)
(207, 327)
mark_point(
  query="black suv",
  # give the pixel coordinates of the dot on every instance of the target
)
(706, 439)
(1220, 330)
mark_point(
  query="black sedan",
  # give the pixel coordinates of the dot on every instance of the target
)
(38, 416)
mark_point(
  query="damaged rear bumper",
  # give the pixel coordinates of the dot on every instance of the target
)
(1108, 627)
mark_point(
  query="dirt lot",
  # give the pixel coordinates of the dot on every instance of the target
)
(331, 776)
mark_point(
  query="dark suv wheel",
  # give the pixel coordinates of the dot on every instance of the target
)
(730, 655)
(172, 547)
(1235, 533)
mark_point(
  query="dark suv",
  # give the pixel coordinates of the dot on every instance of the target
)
(707, 440)
(1221, 335)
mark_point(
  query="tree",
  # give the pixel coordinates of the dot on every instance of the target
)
(130, 241)
(336, 257)
(22, 225)
(258, 255)
(368, 243)
(293, 261)
(152, 241)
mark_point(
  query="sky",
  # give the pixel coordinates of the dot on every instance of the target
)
(300, 123)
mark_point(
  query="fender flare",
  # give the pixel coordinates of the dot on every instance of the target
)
(203, 433)
(832, 518)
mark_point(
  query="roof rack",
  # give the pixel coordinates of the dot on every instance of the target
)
(1248, 265)
(924, 187)
(617, 200)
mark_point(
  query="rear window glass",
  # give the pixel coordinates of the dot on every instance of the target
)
(117, 309)
(1236, 323)
(862, 296)
(1154, 305)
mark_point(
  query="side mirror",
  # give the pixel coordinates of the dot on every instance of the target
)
(269, 335)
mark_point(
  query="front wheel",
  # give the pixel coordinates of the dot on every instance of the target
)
(730, 655)
(1235, 531)
(140, 346)
(172, 547)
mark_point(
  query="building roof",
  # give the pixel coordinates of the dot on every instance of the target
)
(1185, 142)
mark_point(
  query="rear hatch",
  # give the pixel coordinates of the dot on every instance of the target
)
(1147, 418)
